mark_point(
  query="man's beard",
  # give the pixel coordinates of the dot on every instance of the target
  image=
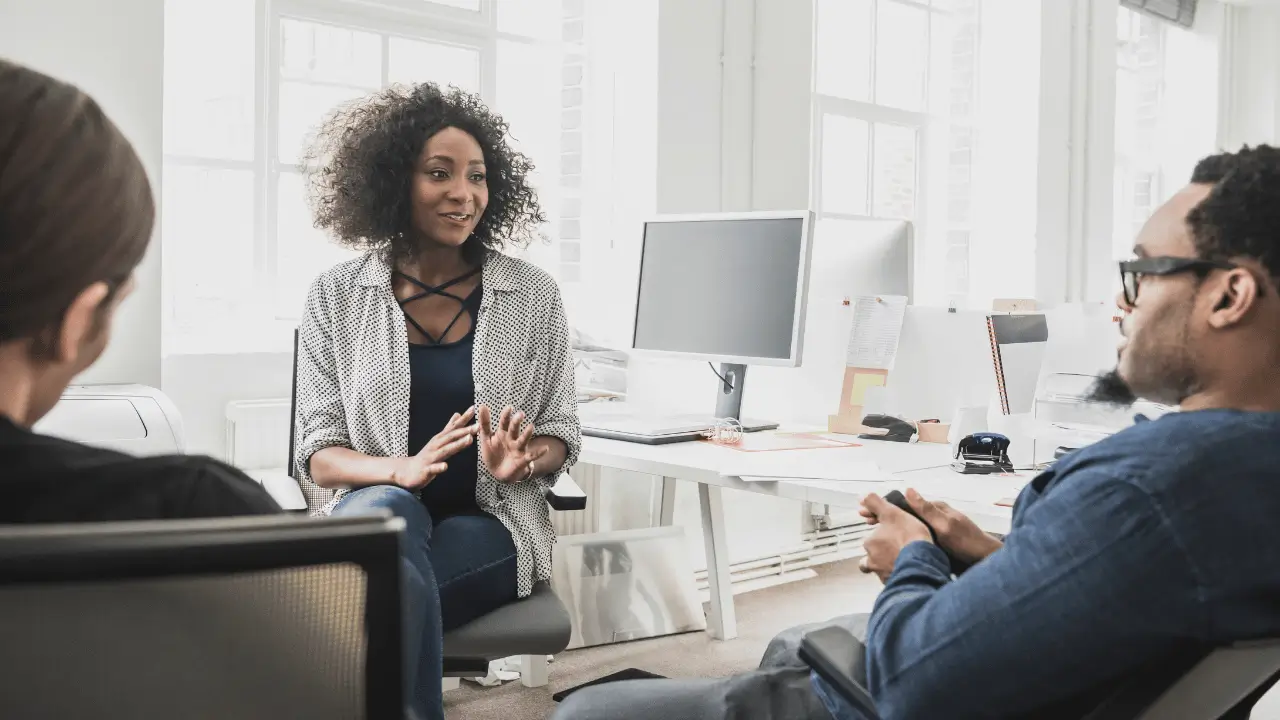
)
(1160, 368)
(1111, 389)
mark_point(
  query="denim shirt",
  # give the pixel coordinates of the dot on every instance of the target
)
(1160, 537)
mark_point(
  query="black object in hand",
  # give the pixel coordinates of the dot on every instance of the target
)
(898, 500)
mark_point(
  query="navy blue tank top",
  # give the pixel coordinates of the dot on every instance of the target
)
(440, 385)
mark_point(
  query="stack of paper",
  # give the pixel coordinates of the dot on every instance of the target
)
(847, 465)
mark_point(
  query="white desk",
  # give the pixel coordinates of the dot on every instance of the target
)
(924, 466)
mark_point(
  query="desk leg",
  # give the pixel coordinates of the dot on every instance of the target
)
(722, 621)
(664, 507)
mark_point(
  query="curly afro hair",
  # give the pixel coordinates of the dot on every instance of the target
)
(1241, 215)
(361, 163)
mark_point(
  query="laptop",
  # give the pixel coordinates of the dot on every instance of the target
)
(619, 421)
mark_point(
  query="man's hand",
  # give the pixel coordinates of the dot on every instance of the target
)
(506, 451)
(416, 471)
(896, 530)
(957, 534)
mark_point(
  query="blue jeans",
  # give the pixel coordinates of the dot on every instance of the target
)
(455, 569)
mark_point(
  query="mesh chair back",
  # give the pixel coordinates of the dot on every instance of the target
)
(243, 618)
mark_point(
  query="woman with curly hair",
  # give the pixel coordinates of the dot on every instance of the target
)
(434, 373)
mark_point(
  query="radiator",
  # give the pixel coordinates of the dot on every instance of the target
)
(815, 548)
(258, 434)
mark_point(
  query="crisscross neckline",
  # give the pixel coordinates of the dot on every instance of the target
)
(441, 290)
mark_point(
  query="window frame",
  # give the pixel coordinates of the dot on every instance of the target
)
(931, 125)
(1133, 163)
(418, 20)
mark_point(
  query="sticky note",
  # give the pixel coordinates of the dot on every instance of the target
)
(862, 381)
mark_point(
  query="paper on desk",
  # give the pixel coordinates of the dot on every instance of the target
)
(877, 325)
(851, 465)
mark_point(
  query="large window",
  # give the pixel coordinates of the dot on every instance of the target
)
(245, 87)
(1163, 123)
(917, 119)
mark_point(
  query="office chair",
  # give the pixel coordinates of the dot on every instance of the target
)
(532, 628)
(1196, 684)
(256, 617)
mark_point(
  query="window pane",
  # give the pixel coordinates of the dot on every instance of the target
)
(302, 251)
(844, 165)
(960, 175)
(302, 108)
(1122, 213)
(412, 62)
(464, 4)
(209, 79)
(894, 178)
(529, 96)
(329, 54)
(208, 241)
(530, 99)
(956, 270)
(844, 48)
(952, 82)
(540, 19)
(902, 54)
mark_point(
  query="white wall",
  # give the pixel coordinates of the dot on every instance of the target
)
(115, 52)
(782, 115)
(1250, 93)
(731, 136)
(202, 385)
(690, 42)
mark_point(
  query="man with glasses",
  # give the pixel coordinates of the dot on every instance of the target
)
(1157, 540)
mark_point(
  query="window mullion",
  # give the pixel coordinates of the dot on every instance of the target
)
(268, 173)
(385, 79)
(875, 39)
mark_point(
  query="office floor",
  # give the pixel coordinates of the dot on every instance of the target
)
(839, 589)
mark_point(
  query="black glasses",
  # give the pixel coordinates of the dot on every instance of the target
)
(1132, 271)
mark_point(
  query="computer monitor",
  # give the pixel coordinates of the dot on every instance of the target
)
(727, 288)
(850, 257)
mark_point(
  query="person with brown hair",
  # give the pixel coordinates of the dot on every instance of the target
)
(76, 216)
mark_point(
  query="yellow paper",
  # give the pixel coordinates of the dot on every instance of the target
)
(861, 382)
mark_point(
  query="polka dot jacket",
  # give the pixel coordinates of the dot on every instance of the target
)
(353, 383)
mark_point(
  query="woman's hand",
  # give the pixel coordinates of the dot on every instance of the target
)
(415, 472)
(506, 451)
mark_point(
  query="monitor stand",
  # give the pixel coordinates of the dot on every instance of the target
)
(729, 398)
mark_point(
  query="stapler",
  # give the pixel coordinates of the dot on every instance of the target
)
(896, 429)
(983, 454)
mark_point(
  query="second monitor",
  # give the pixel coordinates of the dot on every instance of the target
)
(727, 288)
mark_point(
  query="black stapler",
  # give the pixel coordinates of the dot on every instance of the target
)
(899, 430)
(983, 454)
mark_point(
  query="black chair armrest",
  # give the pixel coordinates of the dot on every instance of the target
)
(840, 659)
(566, 495)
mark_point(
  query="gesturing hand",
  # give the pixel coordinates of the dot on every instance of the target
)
(415, 471)
(506, 450)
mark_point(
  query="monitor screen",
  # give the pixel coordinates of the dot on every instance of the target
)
(722, 287)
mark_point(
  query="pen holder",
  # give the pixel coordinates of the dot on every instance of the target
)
(934, 432)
